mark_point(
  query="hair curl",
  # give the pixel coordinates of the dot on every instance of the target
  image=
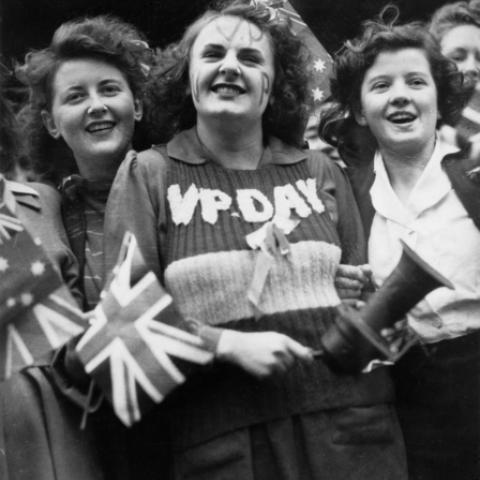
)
(359, 54)
(454, 15)
(9, 134)
(169, 107)
(104, 38)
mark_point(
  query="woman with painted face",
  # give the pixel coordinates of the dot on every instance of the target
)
(395, 81)
(85, 99)
(246, 230)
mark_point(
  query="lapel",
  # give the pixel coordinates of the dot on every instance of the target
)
(464, 174)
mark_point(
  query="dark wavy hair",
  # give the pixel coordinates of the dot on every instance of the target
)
(104, 38)
(358, 56)
(9, 133)
(454, 15)
(169, 107)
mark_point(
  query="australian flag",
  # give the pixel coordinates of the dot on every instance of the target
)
(135, 337)
(37, 312)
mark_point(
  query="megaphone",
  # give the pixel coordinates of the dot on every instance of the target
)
(358, 335)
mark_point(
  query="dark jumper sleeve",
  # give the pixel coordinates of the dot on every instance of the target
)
(342, 207)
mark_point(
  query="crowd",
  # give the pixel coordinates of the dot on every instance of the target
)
(199, 151)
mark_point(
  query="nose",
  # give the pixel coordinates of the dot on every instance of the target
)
(97, 105)
(471, 66)
(400, 95)
(230, 65)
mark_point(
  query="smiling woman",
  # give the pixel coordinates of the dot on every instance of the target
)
(394, 82)
(86, 90)
(246, 230)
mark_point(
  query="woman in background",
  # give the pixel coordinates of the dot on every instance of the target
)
(394, 81)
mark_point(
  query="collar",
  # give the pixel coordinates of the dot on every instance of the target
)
(186, 147)
(21, 193)
(432, 185)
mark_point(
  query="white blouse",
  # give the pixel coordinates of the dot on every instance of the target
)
(435, 224)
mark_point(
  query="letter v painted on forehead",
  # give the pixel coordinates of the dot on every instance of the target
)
(182, 206)
(234, 30)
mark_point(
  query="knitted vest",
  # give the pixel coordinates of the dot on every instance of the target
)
(208, 267)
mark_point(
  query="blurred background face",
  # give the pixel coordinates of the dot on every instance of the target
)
(231, 70)
(399, 100)
(462, 45)
(93, 110)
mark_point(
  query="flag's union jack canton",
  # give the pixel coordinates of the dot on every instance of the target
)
(135, 336)
(37, 312)
(322, 63)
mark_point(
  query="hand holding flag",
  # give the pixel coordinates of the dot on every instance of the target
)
(135, 336)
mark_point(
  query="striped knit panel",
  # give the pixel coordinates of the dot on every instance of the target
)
(209, 270)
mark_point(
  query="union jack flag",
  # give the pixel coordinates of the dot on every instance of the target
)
(37, 312)
(135, 336)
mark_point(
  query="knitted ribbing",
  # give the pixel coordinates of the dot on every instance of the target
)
(209, 267)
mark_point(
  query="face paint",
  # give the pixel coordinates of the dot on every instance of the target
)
(231, 70)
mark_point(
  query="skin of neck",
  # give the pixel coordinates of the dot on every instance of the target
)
(235, 145)
(94, 170)
(404, 166)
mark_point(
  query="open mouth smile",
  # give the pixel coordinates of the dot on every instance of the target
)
(100, 127)
(401, 118)
(228, 89)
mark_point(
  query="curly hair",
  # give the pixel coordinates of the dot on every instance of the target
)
(359, 54)
(104, 38)
(9, 136)
(169, 107)
(454, 15)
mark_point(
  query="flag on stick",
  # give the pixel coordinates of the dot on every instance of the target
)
(135, 337)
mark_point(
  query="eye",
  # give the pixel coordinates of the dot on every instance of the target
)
(458, 56)
(212, 54)
(110, 89)
(250, 58)
(380, 85)
(74, 97)
(417, 82)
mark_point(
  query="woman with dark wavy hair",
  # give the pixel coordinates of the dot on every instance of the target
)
(85, 100)
(394, 83)
(246, 231)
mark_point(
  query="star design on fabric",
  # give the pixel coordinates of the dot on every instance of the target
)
(11, 302)
(317, 94)
(37, 268)
(319, 65)
(3, 264)
(26, 299)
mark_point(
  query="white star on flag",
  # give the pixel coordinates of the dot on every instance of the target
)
(38, 268)
(319, 65)
(317, 94)
(26, 298)
(3, 264)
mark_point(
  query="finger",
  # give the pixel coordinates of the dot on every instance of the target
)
(349, 294)
(350, 283)
(299, 351)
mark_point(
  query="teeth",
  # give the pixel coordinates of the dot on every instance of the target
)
(99, 126)
(227, 89)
